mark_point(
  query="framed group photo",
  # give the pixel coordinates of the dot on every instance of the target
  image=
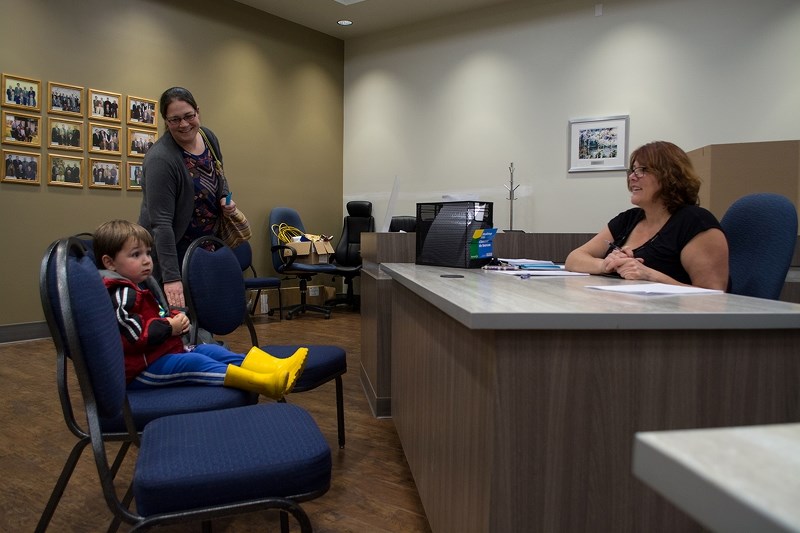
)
(142, 112)
(105, 139)
(597, 144)
(135, 176)
(65, 170)
(21, 129)
(65, 99)
(105, 174)
(21, 167)
(104, 105)
(22, 93)
(65, 134)
(140, 141)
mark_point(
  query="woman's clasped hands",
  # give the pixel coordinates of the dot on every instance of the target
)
(622, 261)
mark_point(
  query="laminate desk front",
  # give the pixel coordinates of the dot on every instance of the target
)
(517, 400)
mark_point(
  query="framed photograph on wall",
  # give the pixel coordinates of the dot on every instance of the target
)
(65, 134)
(22, 129)
(65, 99)
(65, 170)
(140, 141)
(597, 144)
(104, 105)
(135, 176)
(22, 93)
(142, 112)
(105, 174)
(21, 167)
(105, 139)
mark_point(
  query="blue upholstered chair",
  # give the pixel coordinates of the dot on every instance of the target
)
(214, 293)
(254, 282)
(289, 267)
(146, 405)
(265, 456)
(762, 231)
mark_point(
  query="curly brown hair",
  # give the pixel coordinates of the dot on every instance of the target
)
(680, 184)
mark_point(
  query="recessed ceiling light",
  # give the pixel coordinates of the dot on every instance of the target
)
(344, 22)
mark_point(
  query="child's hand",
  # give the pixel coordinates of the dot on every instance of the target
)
(179, 323)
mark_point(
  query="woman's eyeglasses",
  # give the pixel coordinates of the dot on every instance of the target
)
(174, 121)
(637, 171)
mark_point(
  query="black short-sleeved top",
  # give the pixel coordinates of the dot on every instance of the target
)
(663, 251)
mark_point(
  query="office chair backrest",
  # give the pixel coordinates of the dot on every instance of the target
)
(244, 253)
(282, 215)
(762, 231)
(405, 223)
(214, 287)
(359, 219)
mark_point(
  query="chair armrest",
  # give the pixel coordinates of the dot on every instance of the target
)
(286, 262)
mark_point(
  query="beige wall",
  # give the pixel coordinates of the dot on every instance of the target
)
(447, 105)
(271, 90)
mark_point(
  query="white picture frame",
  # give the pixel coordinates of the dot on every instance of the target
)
(598, 144)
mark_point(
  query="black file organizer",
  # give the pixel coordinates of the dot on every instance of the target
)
(444, 232)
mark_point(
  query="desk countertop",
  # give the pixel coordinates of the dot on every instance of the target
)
(729, 479)
(489, 300)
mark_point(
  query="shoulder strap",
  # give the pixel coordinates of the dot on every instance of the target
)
(211, 148)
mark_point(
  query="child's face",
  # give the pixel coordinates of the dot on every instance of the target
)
(133, 261)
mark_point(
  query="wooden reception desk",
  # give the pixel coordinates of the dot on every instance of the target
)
(517, 401)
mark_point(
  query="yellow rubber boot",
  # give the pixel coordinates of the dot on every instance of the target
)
(272, 385)
(260, 361)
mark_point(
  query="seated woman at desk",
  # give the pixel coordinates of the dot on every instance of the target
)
(668, 238)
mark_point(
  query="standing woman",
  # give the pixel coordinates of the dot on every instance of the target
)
(183, 190)
(667, 238)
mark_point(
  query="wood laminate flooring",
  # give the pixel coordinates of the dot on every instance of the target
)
(372, 490)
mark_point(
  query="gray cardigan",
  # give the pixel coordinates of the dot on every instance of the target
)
(168, 200)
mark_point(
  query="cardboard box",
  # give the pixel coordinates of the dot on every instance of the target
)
(311, 253)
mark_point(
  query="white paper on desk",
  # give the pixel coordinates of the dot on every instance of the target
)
(525, 262)
(525, 273)
(653, 288)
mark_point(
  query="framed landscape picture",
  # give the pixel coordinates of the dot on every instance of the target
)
(105, 174)
(21, 167)
(65, 170)
(22, 129)
(65, 99)
(135, 176)
(22, 93)
(142, 112)
(104, 105)
(140, 141)
(65, 134)
(597, 144)
(105, 139)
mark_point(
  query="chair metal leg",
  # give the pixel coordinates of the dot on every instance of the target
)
(61, 484)
(340, 410)
(302, 307)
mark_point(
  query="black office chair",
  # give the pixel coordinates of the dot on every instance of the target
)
(215, 296)
(289, 267)
(254, 282)
(348, 252)
(193, 466)
(403, 223)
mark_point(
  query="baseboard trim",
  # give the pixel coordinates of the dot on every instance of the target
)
(24, 332)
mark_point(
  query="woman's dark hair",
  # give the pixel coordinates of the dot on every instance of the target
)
(680, 184)
(175, 93)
